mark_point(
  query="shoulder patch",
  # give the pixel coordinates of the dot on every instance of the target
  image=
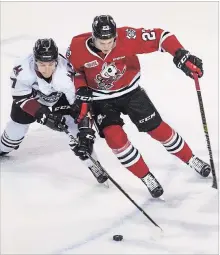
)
(17, 70)
(131, 33)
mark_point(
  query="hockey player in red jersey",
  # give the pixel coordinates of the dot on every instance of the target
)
(108, 72)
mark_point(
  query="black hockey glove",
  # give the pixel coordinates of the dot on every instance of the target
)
(81, 105)
(45, 117)
(188, 63)
(86, 139)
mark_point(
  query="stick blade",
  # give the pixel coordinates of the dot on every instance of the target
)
(214, 185)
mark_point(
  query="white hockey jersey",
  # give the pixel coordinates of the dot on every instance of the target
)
(26, 83)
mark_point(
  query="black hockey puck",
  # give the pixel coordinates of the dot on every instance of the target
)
(117, 237)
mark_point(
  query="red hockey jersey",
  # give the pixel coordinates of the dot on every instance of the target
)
(118, 72)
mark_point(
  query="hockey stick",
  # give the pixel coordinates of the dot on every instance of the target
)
(205, 128)
(98, 165)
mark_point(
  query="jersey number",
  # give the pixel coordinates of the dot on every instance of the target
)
(17, 70)
(148, 36)
(14, 80)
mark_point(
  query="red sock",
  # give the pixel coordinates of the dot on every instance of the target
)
(127, 154)
(172, 141)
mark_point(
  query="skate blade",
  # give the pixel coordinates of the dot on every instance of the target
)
(106, 184)
(160, 199)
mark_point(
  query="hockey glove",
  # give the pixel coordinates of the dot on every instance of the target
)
(188, 63)
(85, 143)
(82, 103)
(45, 117)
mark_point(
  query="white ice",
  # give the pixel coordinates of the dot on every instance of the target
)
(50, 202)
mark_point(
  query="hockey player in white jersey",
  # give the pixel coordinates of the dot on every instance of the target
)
(43, 91)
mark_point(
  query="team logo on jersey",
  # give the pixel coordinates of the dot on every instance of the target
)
(91, 64)
(52, 98)
(109, 74)
(131, 33)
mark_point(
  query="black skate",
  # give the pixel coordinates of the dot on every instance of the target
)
(153, 185)
(199, 166)
(2, 153)
(99, 174)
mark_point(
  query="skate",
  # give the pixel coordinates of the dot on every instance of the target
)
(199, 166)
(153, 185)
(2, 153)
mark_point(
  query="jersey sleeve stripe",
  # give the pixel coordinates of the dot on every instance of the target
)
(163, 37)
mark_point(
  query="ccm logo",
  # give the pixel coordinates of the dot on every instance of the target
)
(62, 107)
(83, 98)
(147, 118)
(183, 60)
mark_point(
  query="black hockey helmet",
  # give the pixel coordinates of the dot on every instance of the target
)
(45, 50)
(104, 27)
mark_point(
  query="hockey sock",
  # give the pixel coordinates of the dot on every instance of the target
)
(7, 144)
(127, 154)
(12, 136)
(172, 141)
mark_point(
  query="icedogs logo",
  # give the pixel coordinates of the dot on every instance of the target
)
(109, 74)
